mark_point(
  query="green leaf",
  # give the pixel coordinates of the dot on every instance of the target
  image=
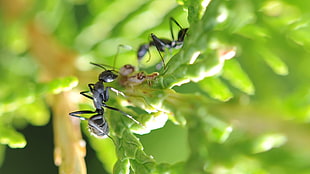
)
(39, 113)
(57, 86)
(216, 88)
(275, 63)
(62, 84)
(105, 151)
(235, 15)
(243, 164)
(122, 166)
(299, 33)
(220, 131)
(196, 9)
(237, 77)
(268, 142)
(11, 138)
(205, 67)
(254, 32)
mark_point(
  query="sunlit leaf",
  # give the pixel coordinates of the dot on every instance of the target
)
(235, 15)
(122, 166)
(36, 113)
(237, 77)
(220, 131)
(59, 85)
(254, 32)
(268, 142)
(242, 164)
(216, 88)
(277, 65)
(105, 151)
(299, 33)
(11, 138)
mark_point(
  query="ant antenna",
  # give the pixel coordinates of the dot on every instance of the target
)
(117, 52)
(99, 65)
(147, 46)
(115, 57)
(103, 66)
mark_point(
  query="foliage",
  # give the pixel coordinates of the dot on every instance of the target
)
(239, 85)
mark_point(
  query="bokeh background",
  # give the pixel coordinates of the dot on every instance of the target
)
(245, 108)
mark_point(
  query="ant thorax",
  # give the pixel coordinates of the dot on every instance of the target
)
(164, 43)
(99, 94)
(176, 44)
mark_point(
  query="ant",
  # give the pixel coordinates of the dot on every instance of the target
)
(100, 95)
(162, 44)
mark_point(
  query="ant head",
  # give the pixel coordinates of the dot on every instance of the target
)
(107, 76)
(98, 126)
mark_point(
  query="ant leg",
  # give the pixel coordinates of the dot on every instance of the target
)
(149, 54)
(106, 93)
(159, 46)
(171, 28)
(124, 113)
(127, 47)
(91, 87)
(115, 90)
(85, 95)
(181, 34)
(78, 114)
(173, 20)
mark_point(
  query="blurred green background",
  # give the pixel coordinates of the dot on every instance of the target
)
(245, 108)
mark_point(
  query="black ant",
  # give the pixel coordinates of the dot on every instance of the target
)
(162, 44)
(100, 95)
